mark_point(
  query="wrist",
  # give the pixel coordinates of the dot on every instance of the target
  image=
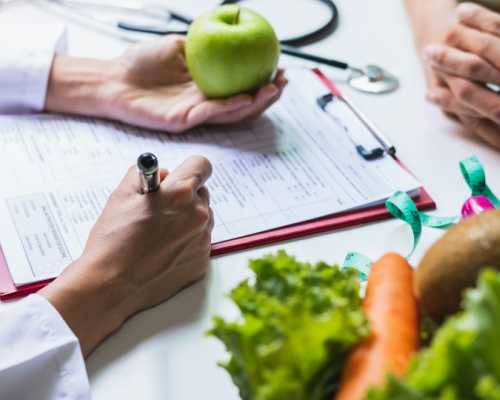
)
(430, 21)
(93, 305)
(81, 86)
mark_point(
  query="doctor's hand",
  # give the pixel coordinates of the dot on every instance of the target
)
(148, 86)
(462, 64)
(143, 249)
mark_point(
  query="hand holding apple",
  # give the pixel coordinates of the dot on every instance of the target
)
(148, 86)
(231, 50)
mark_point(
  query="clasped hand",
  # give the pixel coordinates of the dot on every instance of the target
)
(461, 64)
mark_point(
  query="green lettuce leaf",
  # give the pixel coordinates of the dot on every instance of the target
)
(298, 322)
(463, 361)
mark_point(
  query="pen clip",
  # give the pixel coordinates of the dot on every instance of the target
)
(368, 155)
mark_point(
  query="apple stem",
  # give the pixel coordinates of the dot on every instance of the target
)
(236, 19)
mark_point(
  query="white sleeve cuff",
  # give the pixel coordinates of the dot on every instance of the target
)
(40, 356)
(25, 64)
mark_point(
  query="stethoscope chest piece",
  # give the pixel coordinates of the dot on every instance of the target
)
(373, 79)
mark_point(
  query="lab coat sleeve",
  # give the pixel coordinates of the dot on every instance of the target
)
(26, 55)
(40, 357)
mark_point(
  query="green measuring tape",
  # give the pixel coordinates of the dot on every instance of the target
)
(475, 177)
(401, 206)
(359, 262)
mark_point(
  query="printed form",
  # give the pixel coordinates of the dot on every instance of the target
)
(293, 164)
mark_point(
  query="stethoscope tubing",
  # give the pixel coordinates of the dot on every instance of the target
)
(313, 35)
(285, 49)
(291, 51)
(286, 45)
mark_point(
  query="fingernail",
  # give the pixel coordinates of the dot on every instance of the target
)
(466, 11)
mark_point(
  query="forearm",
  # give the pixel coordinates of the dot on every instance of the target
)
(429, 19)
(80, 86)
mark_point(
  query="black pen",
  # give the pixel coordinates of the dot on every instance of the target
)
(149, 172)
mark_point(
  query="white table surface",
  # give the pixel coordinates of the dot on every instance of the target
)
(163, 353)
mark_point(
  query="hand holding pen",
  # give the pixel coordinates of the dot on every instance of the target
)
(143, 249)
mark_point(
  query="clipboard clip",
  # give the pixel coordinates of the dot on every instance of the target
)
(369, 155)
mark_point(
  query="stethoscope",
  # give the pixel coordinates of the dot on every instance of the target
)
(368, 79)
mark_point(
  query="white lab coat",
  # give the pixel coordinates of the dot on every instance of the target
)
(40, 357)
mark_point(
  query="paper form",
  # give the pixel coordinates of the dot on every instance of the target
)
(291, 165)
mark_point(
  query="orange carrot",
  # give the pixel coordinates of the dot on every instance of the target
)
(391, 308)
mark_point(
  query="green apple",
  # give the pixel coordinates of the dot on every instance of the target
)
(231, 50)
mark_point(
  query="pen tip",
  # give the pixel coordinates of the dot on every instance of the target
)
(147, 162)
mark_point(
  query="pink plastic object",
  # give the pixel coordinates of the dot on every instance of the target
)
(476, 205)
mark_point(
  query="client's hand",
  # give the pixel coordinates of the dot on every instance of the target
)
(148, 86)
(142, 250)
(459, 68)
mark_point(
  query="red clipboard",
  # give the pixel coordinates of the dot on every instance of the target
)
(424, 202)
(9, 291)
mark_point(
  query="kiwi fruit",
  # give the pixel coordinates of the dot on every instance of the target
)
(454, 262)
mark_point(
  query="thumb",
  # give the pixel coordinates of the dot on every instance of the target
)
(163, 174)
(130, 184)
